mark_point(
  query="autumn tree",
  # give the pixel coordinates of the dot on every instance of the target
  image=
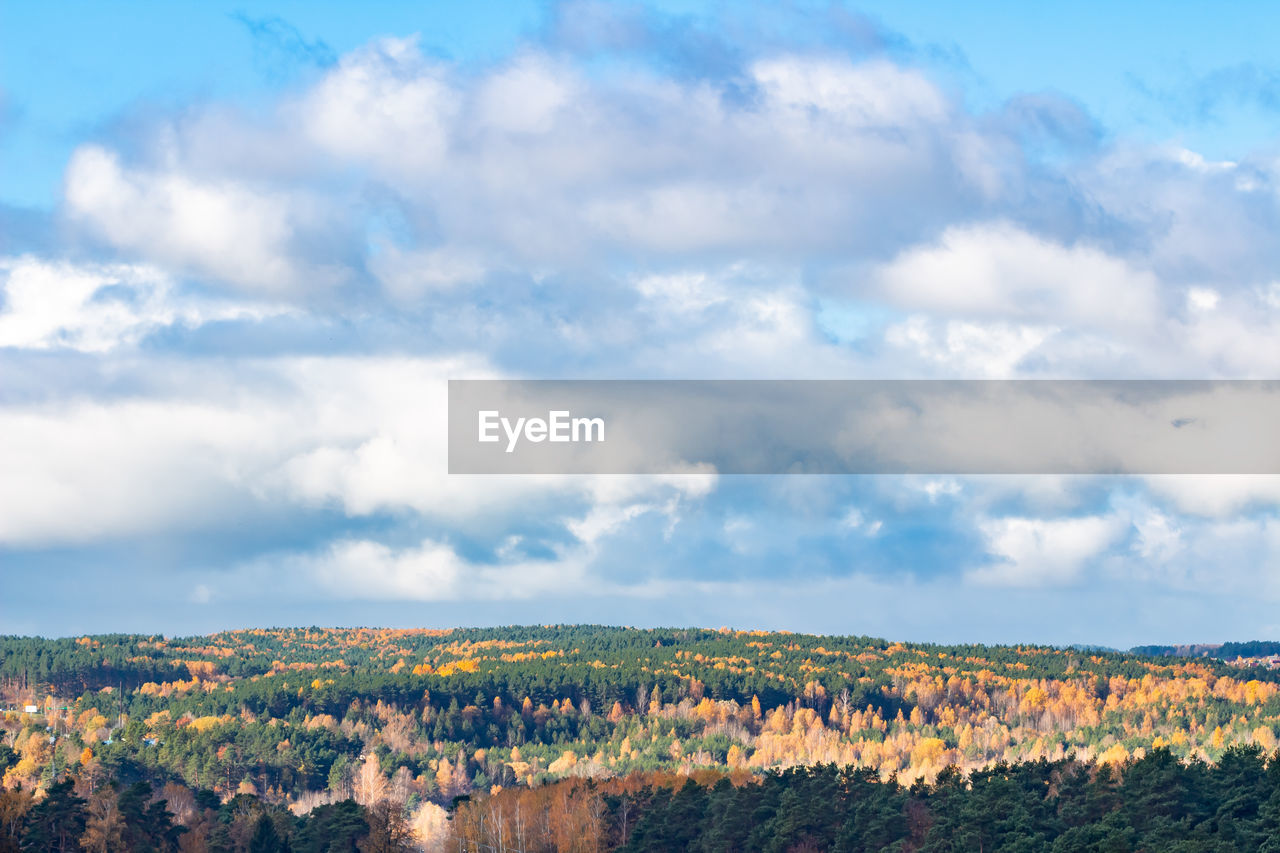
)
(104, 827)
(389, 831)
(370, 785)
(14, 805)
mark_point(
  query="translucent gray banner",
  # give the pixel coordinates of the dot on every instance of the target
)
(864, 427)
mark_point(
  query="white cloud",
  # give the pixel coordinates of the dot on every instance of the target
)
(1159, 537)
(526, 96)
(1203, 299)
(1233, 555)
(603, 520)
(433, 571)
(407, 274)
(532, 165)
(1217, 496)
(968, 350)
(384, 105)
(854, 519)
(95, 308)
(305, 430)
(632, 224)
(371, 437)
(1270, 295)
(430, 570)
(220, 227)
(533, 161)
(1231, 335)
(365, 435)
(996, 301)
(1001, 270)
(1196, 223)
(682, 294)
(1039, 552)
(85, 471)
(1226, 556)
(874, 94)
(946, 487)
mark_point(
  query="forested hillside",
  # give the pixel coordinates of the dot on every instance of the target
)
(1155, 804)
(231, 727)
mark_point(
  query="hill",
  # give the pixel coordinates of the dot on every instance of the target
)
(302, 717)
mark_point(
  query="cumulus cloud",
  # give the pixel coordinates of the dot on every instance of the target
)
(222, 228)
(997, 301)
(1159, 537)
(363, 569)
(86, 470)
(1003, 271)
(535, 161)
(1217, 496)
(365, 436)
(1194, 221)
(527, 96)
(98, 307)
(965, 349)
(860, 177)
(652, 217)
(429, 571)
(1038, 552)
(384, 105)
(82, 471)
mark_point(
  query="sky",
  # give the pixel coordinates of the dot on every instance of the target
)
(243, 250)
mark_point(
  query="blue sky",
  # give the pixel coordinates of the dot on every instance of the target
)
(242, 250)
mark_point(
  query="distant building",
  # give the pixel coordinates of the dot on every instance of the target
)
(31, 709)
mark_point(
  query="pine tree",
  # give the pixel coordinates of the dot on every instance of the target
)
(266, 839)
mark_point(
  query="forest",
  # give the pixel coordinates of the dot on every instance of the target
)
(511, 738)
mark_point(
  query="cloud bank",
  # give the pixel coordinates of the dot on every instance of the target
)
(239, 321)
